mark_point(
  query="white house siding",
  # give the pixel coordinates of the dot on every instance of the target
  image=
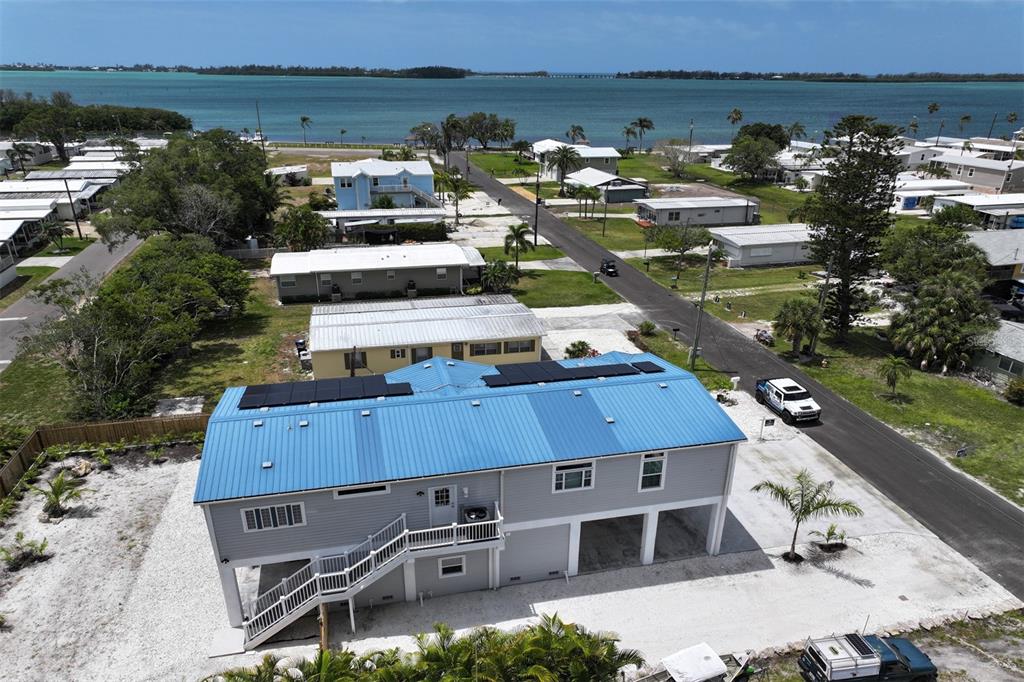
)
(534, 554)
(432, 585)
(375, 283)
(766, 254)
(690, 474)
(333, 524)
(726, 215)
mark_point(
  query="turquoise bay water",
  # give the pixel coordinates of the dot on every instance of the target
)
(383, 109)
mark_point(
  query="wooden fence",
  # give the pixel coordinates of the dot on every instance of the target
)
(98, 432)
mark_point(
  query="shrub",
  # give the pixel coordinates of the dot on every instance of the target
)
(577, 349)
(23, 552)
(647, 328)
(1015, 391)
(57, 493)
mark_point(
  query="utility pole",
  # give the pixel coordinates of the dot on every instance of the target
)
(689, 152)
(695, 349)
(604, 223)
(536, 209)
(259, 129)
(821, 307)
(992, 127)
(74, 213)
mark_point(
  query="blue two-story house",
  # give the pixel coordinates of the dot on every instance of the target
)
(357, 184)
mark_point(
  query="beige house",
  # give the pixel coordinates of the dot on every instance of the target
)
(373, 337)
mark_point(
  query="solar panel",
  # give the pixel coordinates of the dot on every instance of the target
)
(860, 644)
(320, 391)
(253, 397)
(304, 392)
(495, 380)
(648, 367)
(327, 390)
(403, 388)
(351, 389)
(278, 394)
(520, 373)
(556, 371)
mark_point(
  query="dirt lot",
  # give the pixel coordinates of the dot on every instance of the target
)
(693, 190)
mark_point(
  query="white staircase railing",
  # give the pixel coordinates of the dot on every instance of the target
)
(431, 200)
(332, 577)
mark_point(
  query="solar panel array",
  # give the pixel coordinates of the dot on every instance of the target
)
(320, 391)
(521, 373)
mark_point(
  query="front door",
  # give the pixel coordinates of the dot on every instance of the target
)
(442, 505)
(456, 351)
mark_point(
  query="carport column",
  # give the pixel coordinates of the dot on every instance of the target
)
(574, 548)
(409, 574)
(229, 584)
(650, 532)
(716, 526)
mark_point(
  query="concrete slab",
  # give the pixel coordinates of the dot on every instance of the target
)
(478, 204)
(169, 407)
(566, 264)
(227, 642)
(45, 261)
(601, 340)
(485, 231)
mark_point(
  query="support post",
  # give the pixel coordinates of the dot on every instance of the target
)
(232, 599)
(716, 526)
(647, 538)
(74, 213)
(352, 615)
(409, 576)
(325, 629)
(574, 548)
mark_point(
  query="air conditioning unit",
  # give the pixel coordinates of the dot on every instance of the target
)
(475, 513)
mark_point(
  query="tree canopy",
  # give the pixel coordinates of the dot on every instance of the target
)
(751, 157)
(912, 253)
(768, 131)
(212, 184)
(302, 229)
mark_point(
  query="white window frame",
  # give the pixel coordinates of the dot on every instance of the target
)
(345, 183)
(441, 273)
(440, 566)
(397, 353)
(678, 215)
(258, 515)
(357, 279)
(759, 251)
(326, 280)
(286, 281)
(652, 457)
(485, 347)
(390, 274)
(573, 466)
(970, 172)
(516, 346)
(362, 491)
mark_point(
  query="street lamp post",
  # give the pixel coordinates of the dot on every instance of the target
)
(695, 349)
(536, 208)
(604, 222)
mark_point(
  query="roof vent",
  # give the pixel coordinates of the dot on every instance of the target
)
(577, 393)
(264, 409)
(303, 423)
(475, 403)
(267, 464)
(427, 366)
(380, 398)
(314, 404)
(542, 383)
(450, 363)
(609, 420)
(257, 423)
(366, 413)
(601, 378)
(663, 385)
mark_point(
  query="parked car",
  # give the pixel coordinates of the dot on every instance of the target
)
(609, 268)
(789, 399)
(862, 658)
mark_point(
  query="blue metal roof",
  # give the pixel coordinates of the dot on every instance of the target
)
(438, 431)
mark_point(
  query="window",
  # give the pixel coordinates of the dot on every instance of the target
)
(1008, 365)
(484, 349)
(278, 516)
(673, 216)
(376, 182)
(451, 566)
(442, 273)
(761, 251)
(325, 280)
(397, 353)
(286, 281)
(520, 346)
(360, 360)
(344, 183)
(959, 170)
(442, 497)
(390, 274)
(804, 247)
(652, 471)
(970, 172)
(357, 278)
(405, 182)
(363, 491)
(574, 477)
(422, 353)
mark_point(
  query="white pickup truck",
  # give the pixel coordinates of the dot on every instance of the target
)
(791, 400)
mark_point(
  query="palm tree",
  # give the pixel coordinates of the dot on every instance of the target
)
(797, 131)
(518, 239)
(565, 160)
(305, 122)
(330, 666)
(457, 188)
(891, 370)
(57, 493)
(629, 132)
(964, 120)
(520, 147)
(966, 146)
(54, 232)
(591, 194)
(269, 669)
(341, 136)
(498, 277)
(642, 125)
(913, 126)
(575, 132)
(735, 116)
(933, 108)
(1011, 118)
(807, 499)
(797, 318)
(19, 153)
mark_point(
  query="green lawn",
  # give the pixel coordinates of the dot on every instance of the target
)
(621, 234)
(691, 278)
(70, 247)
(253, 349)
(556, 288)
(662, 345)
(944, 413)
(542, 252)
(646, 166)
(548, 189)
(34, 393)
(761, 306)
(27, 279)
(504, 164)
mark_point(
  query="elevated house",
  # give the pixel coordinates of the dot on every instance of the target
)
(602, 158)
(984, 174)
(1004, 250)
(761, 245)
(707, 211)
(409, 184)
(374, 337)
(375, 272)
(450, 476)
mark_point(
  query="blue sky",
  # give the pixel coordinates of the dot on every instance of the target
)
(867, 36)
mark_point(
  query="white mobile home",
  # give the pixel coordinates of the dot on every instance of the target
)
(705, 211)
(760, 245)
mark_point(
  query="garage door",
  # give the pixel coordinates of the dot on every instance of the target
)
(535, 554)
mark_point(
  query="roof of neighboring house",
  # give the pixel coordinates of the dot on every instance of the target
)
(595, 177)
(348, 169)
(427, 302)
(27, 204)
(360, 258)
(1008, 340)
(73, 185)
(547, 144)
(695, 202)
(990, 200)
(915, 185)
(81, 163)
(438, 430)
(1002, 247)
(476, 320)
(285, 170)
(754, 235)
(25, 213)
(585, 151)
(976, 162)
(399, 213)
(70, 173)
(8, 227)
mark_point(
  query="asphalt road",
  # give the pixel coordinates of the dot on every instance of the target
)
(976, 522)
(26, 314)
